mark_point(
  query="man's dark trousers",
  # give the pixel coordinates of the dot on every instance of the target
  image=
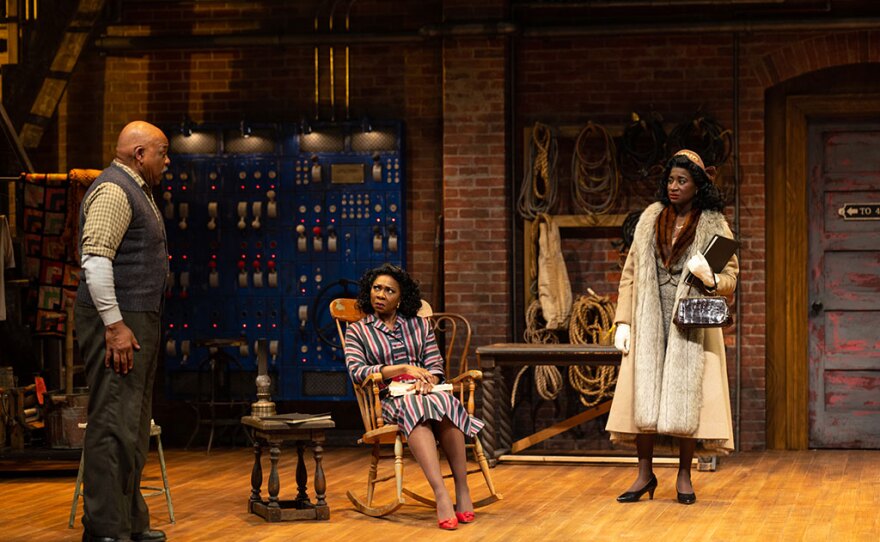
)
(118, 435)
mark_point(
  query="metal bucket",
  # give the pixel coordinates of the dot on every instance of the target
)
(66, 412)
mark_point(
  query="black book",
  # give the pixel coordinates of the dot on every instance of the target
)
(718, 252)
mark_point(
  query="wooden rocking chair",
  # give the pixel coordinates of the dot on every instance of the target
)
(457, 333)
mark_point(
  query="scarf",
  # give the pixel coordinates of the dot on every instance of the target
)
(671, 251)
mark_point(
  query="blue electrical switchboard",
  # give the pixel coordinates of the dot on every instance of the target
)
(266, 225)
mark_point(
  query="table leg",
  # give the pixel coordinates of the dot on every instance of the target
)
(302, 476)
(320, 481)
(196, 428)
(256, 472)
(274, 482)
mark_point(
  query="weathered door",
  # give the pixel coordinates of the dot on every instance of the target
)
(844, 284)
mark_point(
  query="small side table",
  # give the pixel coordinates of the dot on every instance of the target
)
(274, 434)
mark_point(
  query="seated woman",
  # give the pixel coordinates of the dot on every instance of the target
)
(394, 341)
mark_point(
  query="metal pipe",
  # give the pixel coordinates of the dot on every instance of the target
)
(515, 247)
(332, 75)
(317, 76)
(640, 3)
(143, 43)
(736, 225)
(849, 23)
(230, 41)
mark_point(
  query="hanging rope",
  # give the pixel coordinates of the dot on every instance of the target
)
(592, 319)
(538, 192)
(548, 379)
(595, 179)
(703, 135)
(643, 148)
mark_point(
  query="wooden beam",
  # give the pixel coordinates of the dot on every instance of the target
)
(561, 427)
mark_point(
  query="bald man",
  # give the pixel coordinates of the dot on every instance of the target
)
(118, 306)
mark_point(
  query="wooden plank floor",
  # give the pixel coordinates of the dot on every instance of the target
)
(810, 495)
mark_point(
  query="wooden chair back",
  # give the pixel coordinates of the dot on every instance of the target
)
(345, 311)
(453, 334)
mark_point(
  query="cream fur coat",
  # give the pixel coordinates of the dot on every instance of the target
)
(680, 390)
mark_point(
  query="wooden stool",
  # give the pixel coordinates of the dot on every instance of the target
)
(155, 431)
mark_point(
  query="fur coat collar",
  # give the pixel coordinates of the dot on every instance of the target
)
(668, 380)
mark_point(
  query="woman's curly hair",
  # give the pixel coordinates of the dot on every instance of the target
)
(410, 296)
(708, 195)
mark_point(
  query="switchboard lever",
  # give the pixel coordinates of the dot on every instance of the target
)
(303, 313)
(257, 208)
(242, 274)
(316, 170)
(377, 168)
(184, 351)
(317, 240)
(213, 276)
(331, 239)
(258, 274)
(183, 210)
(169, 206)
(212, 215)
(377, 239)
(271, 205)
(242, 214)
(273, 276)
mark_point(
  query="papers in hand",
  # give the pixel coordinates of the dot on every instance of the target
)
(396, 389)
(297, 417)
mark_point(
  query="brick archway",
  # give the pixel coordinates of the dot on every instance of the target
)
(816, 53)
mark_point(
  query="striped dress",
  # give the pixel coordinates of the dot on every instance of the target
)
(369, 345)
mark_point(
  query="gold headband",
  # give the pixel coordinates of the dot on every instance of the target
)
(693, 157)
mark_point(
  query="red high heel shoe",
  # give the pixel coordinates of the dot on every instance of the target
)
(448, 524)
(465, 517)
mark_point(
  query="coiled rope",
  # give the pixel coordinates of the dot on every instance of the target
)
(539, 190)
(703, 135)
(548, 379)
(592, 319)
(643, 148)
(595, 179)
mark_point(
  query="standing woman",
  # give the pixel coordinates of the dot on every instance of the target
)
(394, 341)
(672, 382)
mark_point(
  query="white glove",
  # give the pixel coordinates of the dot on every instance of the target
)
(621, 338)
(700, 268)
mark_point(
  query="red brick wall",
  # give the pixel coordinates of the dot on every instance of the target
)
(475, 199)
(451, 95)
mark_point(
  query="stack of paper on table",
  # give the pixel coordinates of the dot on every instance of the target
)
(297, 417)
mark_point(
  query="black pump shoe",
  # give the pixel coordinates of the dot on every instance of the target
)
(687, 498)
(634, 496)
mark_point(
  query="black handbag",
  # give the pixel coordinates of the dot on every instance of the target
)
(696, 312)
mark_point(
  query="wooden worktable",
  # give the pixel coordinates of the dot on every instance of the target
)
(497, 435)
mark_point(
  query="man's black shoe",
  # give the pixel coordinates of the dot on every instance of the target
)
(89, 538)
(148, 536)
